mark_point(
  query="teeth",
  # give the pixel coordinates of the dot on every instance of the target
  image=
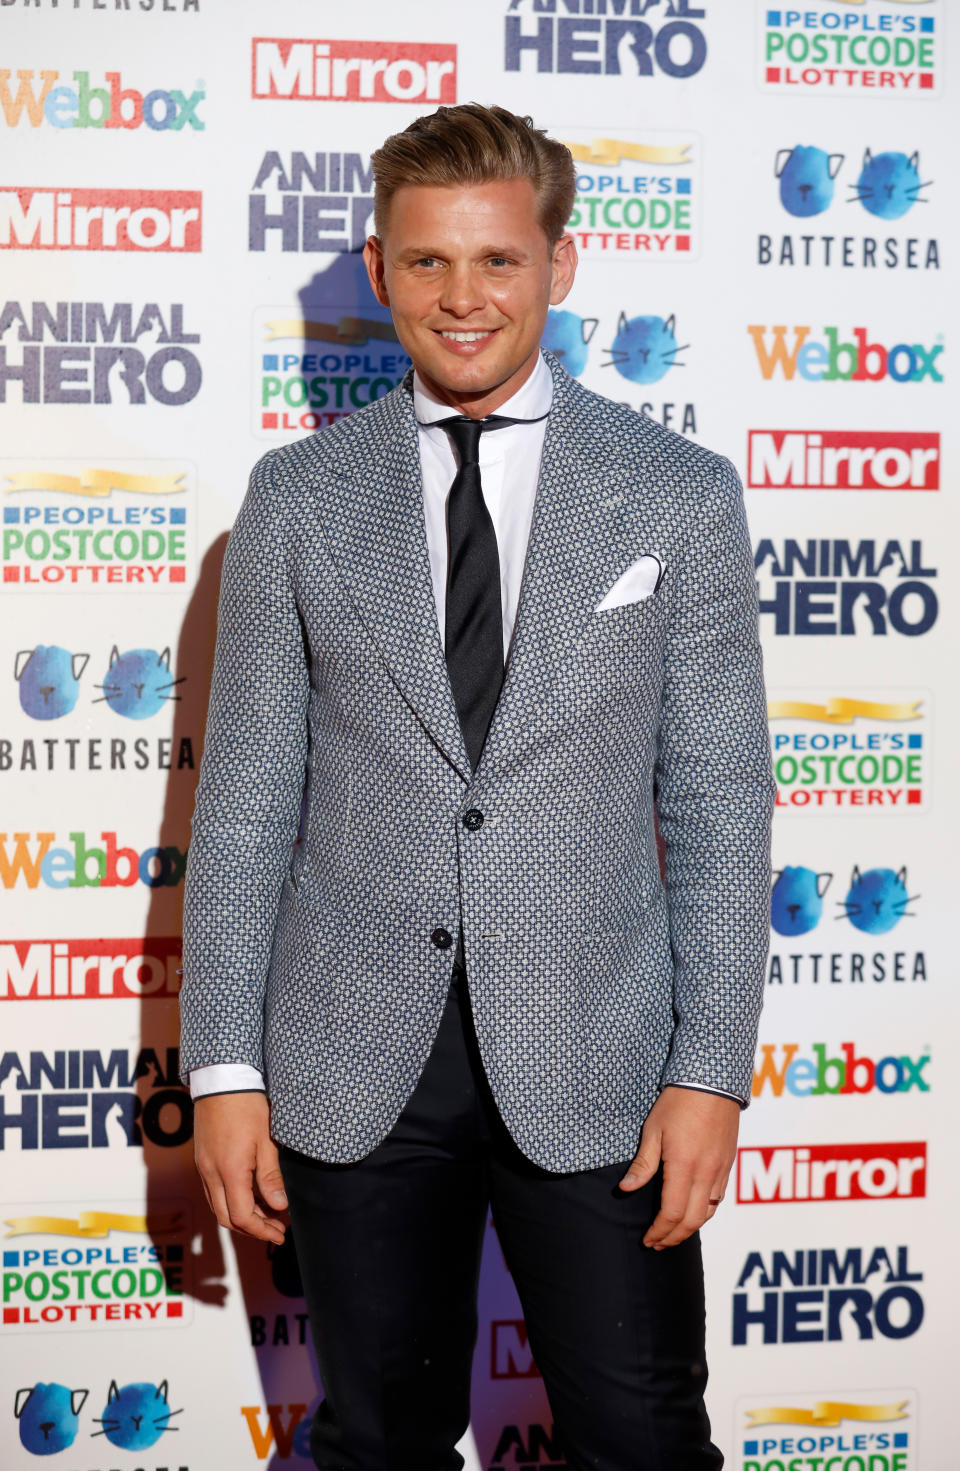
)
(466, 336)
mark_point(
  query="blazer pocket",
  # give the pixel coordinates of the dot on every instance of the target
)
(625, 619)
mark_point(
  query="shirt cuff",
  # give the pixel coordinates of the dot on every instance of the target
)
(699, 1088)
(225, 1077)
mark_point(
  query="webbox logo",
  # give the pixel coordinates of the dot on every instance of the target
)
(84, 106)
(812, 1172)
(157, 220)
(833, 361)
(353, 71)
(85, 867)
(804, 1077)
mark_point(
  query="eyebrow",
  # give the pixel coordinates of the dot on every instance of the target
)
(416, 252)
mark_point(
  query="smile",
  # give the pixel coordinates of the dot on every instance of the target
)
(467, 336)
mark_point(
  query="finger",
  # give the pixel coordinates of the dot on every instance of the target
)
(269, 1178)
(645, 1162)
(246, 1216)
(673, 1204)
(217, 1198)
(696, 1212)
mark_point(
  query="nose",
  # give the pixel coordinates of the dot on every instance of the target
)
(793, 910)
(47, 690)
(462, 294)
(137, 1421)
(805, 190)
(139, 689)
(46, 1426)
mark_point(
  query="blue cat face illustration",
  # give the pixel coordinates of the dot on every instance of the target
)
(567, 335)
(889, 184)
(137, 683)
(645, 348)
(49, 679)
(135, 1416)
(806, 179)
(877, 900)
(49, 1417)
(796, 902)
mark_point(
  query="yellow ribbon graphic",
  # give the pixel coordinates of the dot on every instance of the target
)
(826, 1413)
(347, 332)
(611, 151)
(92, 1223)
(95, 482)
(841, 712)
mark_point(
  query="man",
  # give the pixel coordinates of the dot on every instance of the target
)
(465, 982)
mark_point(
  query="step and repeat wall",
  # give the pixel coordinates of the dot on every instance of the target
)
(766, 220)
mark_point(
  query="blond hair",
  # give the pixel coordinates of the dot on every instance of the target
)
(472, 144)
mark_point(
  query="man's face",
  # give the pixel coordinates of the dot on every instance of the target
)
(468, 275)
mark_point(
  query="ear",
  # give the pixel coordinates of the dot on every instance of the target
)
(20, 1403)
(855, 875)
(78, 1398)
(22, 660)
(79, 663)
(162, 1391)
(914, 159)
(588, 327)
(164, 659)
(622, 323)
(114, 656)
(825, 878)
(867, 157)
(563, 268)
(902, 876)
(670, 325)
(113, 1392)
(833, 164)
(785, 154)
(373, 260)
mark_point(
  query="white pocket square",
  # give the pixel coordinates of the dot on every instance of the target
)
(641, 580)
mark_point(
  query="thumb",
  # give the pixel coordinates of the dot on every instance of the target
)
(645, 1162)
(269, 1178)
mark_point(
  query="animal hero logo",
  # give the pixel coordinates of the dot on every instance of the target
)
(87, 1099)
(886, 185)
(833, 361)
(605, 38)
(826, 1296)
(58, 970)
(134, 1416)
(817, 1430)
(299, 205)
(846, 1075)
(158, 220)
(813, 1172)
(69, 526)
(637, 192)
(824, 587)
(887, 49)
(133, 352)
(95, 1269)
(856, 754)
(50, 101)
(843, 459)
(353, 71)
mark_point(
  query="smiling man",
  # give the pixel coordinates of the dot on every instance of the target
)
(468, 636)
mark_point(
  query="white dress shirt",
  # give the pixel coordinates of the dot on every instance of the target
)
(509, 470)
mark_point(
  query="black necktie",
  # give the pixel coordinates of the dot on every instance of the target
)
(473, 637)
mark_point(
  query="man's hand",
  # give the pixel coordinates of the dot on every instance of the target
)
(238, 1163)
(695, 1134)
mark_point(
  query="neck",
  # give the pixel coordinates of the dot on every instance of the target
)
(477, 403)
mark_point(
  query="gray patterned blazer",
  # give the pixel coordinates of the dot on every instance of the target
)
(331, 715)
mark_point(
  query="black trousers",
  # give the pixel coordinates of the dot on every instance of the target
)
(389, 1251)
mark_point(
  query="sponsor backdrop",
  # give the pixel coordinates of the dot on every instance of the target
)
(768, 228)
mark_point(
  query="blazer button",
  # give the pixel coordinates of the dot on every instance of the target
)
(473, 819)
(442, 938)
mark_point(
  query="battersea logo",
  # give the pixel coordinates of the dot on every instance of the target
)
(832, 1428)
(353, 71)
(887, 186)
(884, 50)
(826, 586)
(89, 352)
(638, 192)
(605, 37)
(159, 220)
(93, 970)
(87, 1099)
(844, 1074)
(42, 98)
(812, 1172)
(82, 866)
(843, 459)
(865, 754)
(826, 1296)
(69, 1268)
(320, 202)
(833, 361)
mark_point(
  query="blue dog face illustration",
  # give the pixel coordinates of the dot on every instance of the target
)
(806, 179)
(645, 348)
(796, 902)
(877, 900)
(567, 335)
(138, 682)
(889, 184)
(135, 1417)
(49, 1417)
(49, 679)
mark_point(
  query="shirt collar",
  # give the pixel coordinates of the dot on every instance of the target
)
(531, 401)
